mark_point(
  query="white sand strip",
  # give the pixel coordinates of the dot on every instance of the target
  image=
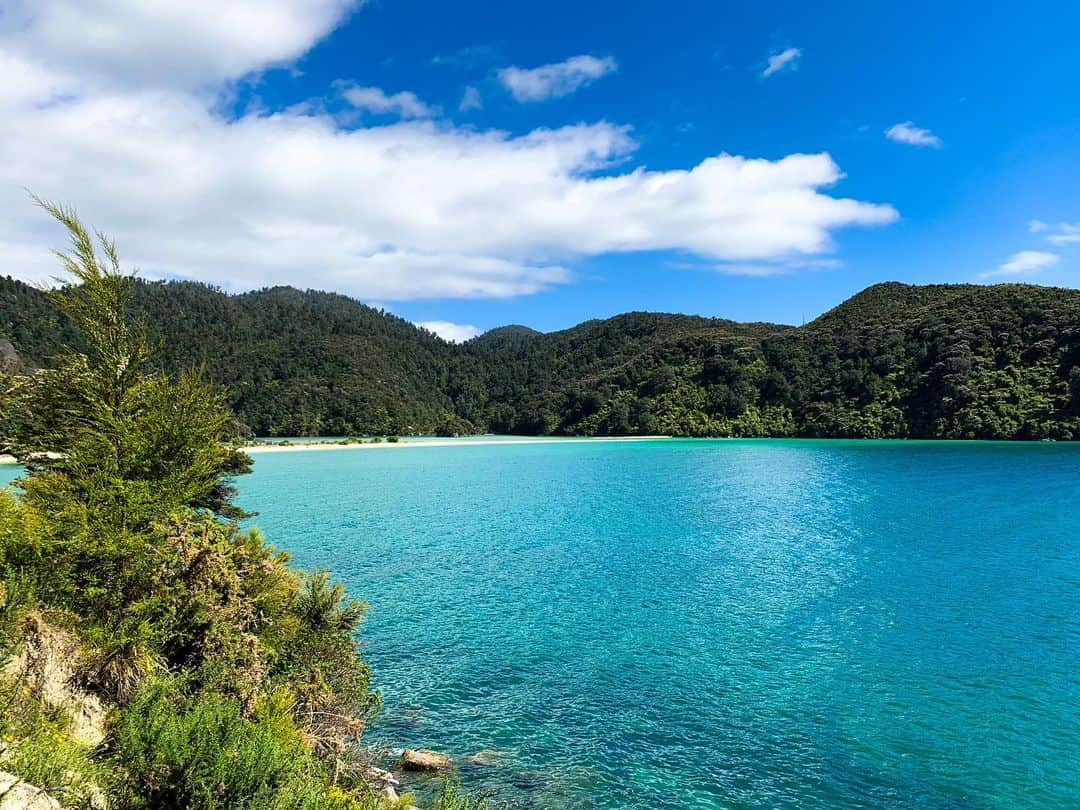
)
(297, 447)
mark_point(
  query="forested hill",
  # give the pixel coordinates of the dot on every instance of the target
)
(948, 361)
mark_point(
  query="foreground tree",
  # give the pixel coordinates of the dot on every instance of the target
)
(235, 680)
(123, 439)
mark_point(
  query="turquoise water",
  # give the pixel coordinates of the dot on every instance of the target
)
(736, 624)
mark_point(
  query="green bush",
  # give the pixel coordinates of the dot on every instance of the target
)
(452, 798)
(205, 751)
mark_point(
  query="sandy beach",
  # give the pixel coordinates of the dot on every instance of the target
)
(294, 447)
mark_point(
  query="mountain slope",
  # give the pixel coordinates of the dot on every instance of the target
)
(947, 361)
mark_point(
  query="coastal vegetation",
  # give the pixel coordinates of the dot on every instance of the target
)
(894, 361)
(153, 654)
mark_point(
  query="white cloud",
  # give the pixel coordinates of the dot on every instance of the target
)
(374, 100)
(785, 60)
(763, 269)
(413, 209)
(1026, 261)
(1065, 234)
(166, 43)
(912, 135)
(452, 332)
(555, 80)
(470, 100)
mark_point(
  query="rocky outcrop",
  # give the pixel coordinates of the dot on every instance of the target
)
(382, 783)
(9, 358)
(421, 759)
(46, 663)
(18, 795)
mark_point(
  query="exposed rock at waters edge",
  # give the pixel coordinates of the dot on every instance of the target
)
(18, 795)
(422, 759)
(383, 783)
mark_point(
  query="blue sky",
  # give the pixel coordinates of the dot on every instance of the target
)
(261, 143)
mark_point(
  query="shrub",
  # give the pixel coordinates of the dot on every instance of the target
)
(203, 751)
(452, 798)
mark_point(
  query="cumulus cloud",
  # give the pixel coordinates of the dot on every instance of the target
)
(785, 60)
(167, 43)
(470, 100)
(452, 332)
(374, 100)
(912, 135)
(554, 80)
(408, 210)
(1026, 261)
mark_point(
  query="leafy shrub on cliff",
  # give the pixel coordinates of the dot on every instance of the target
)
(202, 750)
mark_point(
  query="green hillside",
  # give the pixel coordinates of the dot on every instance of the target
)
(946, 361)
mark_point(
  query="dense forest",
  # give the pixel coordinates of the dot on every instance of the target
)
(941, 361)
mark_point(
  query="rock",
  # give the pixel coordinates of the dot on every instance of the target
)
(46, 663)
(381, 776)
(9, 358)
(389, 793)
(16, 795)
(378, 778)
(486, 757)
(422, 759)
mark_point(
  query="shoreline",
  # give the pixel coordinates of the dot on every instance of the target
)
(294, 447)
(297, 447)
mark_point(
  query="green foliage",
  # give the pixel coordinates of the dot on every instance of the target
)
(38, 748)
(129, 444)
(947, 361)
(234, 680)
(323, 606)
(205, 751)
(453, 798)
(119, 659)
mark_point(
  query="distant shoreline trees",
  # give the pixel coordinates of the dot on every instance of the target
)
(895, 361)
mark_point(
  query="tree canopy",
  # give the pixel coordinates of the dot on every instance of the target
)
(940, 361)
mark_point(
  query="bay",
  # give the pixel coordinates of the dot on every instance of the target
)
(736, 624)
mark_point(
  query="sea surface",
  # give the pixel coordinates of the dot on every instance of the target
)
(731, 624)
(700, 624)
